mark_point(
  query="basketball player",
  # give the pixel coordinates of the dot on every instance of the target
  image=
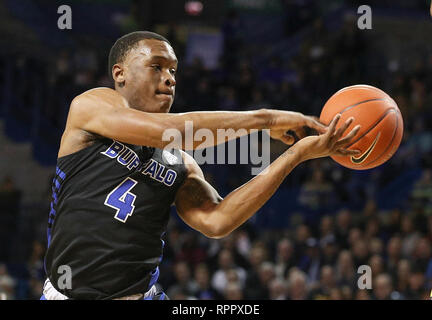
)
(114, 183)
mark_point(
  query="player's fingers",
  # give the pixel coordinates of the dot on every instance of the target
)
(346, 152)
(339, 132)
(300, 132)
(348, 137)
(332, 126)
(287, 139)
(314, 123)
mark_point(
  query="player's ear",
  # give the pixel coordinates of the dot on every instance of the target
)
(118, 74)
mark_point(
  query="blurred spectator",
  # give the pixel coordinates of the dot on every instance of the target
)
(329, 250)
(370, 210)
(394, 221)
(394, 254)
(232, 244)
(266, 275)
(254, 287)
(302, 233)
(284, 257)
(347, 293)
(422, 254)
(354, 235)
(326, 226)
(191, 252)
(376, 246)
(226, 263)
(202, 286)
(345, 269)
(403, 275)
(362, 295)
(416, 287)
(409, 236)
(233, 291)
(297, 285)
(382, 287)
(376, 263)
(7, 283)
(335, 294)
(326, 286)
(242, 244)
(176, 293)
(310, 262)
(184, 283)
(36, 270)
(372, 229)
(278, 289)
(343, 225)
(361, 253)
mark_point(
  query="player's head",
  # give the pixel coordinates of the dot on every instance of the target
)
(143, 65)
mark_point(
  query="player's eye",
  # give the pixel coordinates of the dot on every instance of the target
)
(157, 67)
(173, 71)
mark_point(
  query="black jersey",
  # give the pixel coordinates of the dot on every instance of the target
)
(110, 208)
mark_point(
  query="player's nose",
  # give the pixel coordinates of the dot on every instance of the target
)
(170, 81)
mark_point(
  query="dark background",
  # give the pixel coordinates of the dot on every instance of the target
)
(323, 222)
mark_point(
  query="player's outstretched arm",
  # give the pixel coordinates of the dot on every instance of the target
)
(105, 112)
(201, 207)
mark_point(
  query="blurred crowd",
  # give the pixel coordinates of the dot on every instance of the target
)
(306, 262)
(306, 259)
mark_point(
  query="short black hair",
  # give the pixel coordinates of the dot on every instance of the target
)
(127, 42)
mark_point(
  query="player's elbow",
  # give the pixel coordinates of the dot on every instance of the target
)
(215, 231)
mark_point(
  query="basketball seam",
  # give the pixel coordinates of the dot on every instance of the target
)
(359, 103)
(388, 146)
(372, 126)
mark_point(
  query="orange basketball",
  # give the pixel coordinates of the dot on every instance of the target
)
(380, 119)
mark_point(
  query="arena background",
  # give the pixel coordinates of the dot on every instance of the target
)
(324, 222)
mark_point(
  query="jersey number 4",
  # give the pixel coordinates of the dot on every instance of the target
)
(122, 200)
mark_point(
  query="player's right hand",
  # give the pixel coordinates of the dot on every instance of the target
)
(283, 121)
(329, 143)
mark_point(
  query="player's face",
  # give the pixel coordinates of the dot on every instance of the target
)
(149, 73)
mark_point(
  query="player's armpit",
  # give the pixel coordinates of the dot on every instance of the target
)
(199, 194)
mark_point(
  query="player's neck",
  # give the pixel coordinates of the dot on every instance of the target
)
(129, 99)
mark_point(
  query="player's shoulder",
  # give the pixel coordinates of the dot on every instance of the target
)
(94, 103)
(100, 95)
